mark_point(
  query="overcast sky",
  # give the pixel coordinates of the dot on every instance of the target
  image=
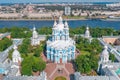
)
(30, 1)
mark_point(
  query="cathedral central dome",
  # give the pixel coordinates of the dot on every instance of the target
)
(60, 24)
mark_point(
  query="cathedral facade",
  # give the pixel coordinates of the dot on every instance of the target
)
(60, 47)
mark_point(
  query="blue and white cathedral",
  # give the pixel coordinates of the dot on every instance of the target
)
(60, 47)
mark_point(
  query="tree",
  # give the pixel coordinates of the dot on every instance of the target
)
(32, 64)
(82, 63)
(5, 43)
(38, 65)
(26, 66)
(88, 60)
(112, 57)
(24, 48)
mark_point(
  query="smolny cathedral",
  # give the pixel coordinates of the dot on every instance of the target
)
(60, 47)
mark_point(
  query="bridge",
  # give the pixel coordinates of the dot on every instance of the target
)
(110, 49)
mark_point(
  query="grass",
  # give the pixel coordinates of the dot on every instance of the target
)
(60, 78)
(84, 53)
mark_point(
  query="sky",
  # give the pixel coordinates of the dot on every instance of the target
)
(30, 1)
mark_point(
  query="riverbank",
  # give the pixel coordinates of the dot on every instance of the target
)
(108, 19)
(37, 19)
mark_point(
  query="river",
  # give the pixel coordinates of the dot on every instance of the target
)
(48, 23)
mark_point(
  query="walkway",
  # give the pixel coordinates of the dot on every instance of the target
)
(54, 70)
(110, 49)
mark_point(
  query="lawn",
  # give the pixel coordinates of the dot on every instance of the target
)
(84, 53)
(60, 78)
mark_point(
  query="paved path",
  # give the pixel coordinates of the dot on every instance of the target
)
(110, 49)
(52, 70)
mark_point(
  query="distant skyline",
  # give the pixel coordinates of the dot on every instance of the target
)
(38, 1)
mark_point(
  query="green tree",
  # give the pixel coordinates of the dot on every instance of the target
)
(112, 57)
(32, 64)
(5, 43)
(87, 62)
(82, 63)
(24, 48)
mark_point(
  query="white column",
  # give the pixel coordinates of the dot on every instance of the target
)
(65, 58)
(55, 58)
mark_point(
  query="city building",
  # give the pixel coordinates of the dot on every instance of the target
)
(113, 5)
(60, 47)
(76, 12)
(67, 10)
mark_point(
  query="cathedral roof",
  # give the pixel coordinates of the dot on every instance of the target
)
(61, 44)
(60, 25)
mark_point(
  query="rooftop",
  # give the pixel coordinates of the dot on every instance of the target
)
(61, 44)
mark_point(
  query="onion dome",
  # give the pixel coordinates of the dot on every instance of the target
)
(105, 52)
(35, 34)
(87, 32)
(15, 52)
(60, 25)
